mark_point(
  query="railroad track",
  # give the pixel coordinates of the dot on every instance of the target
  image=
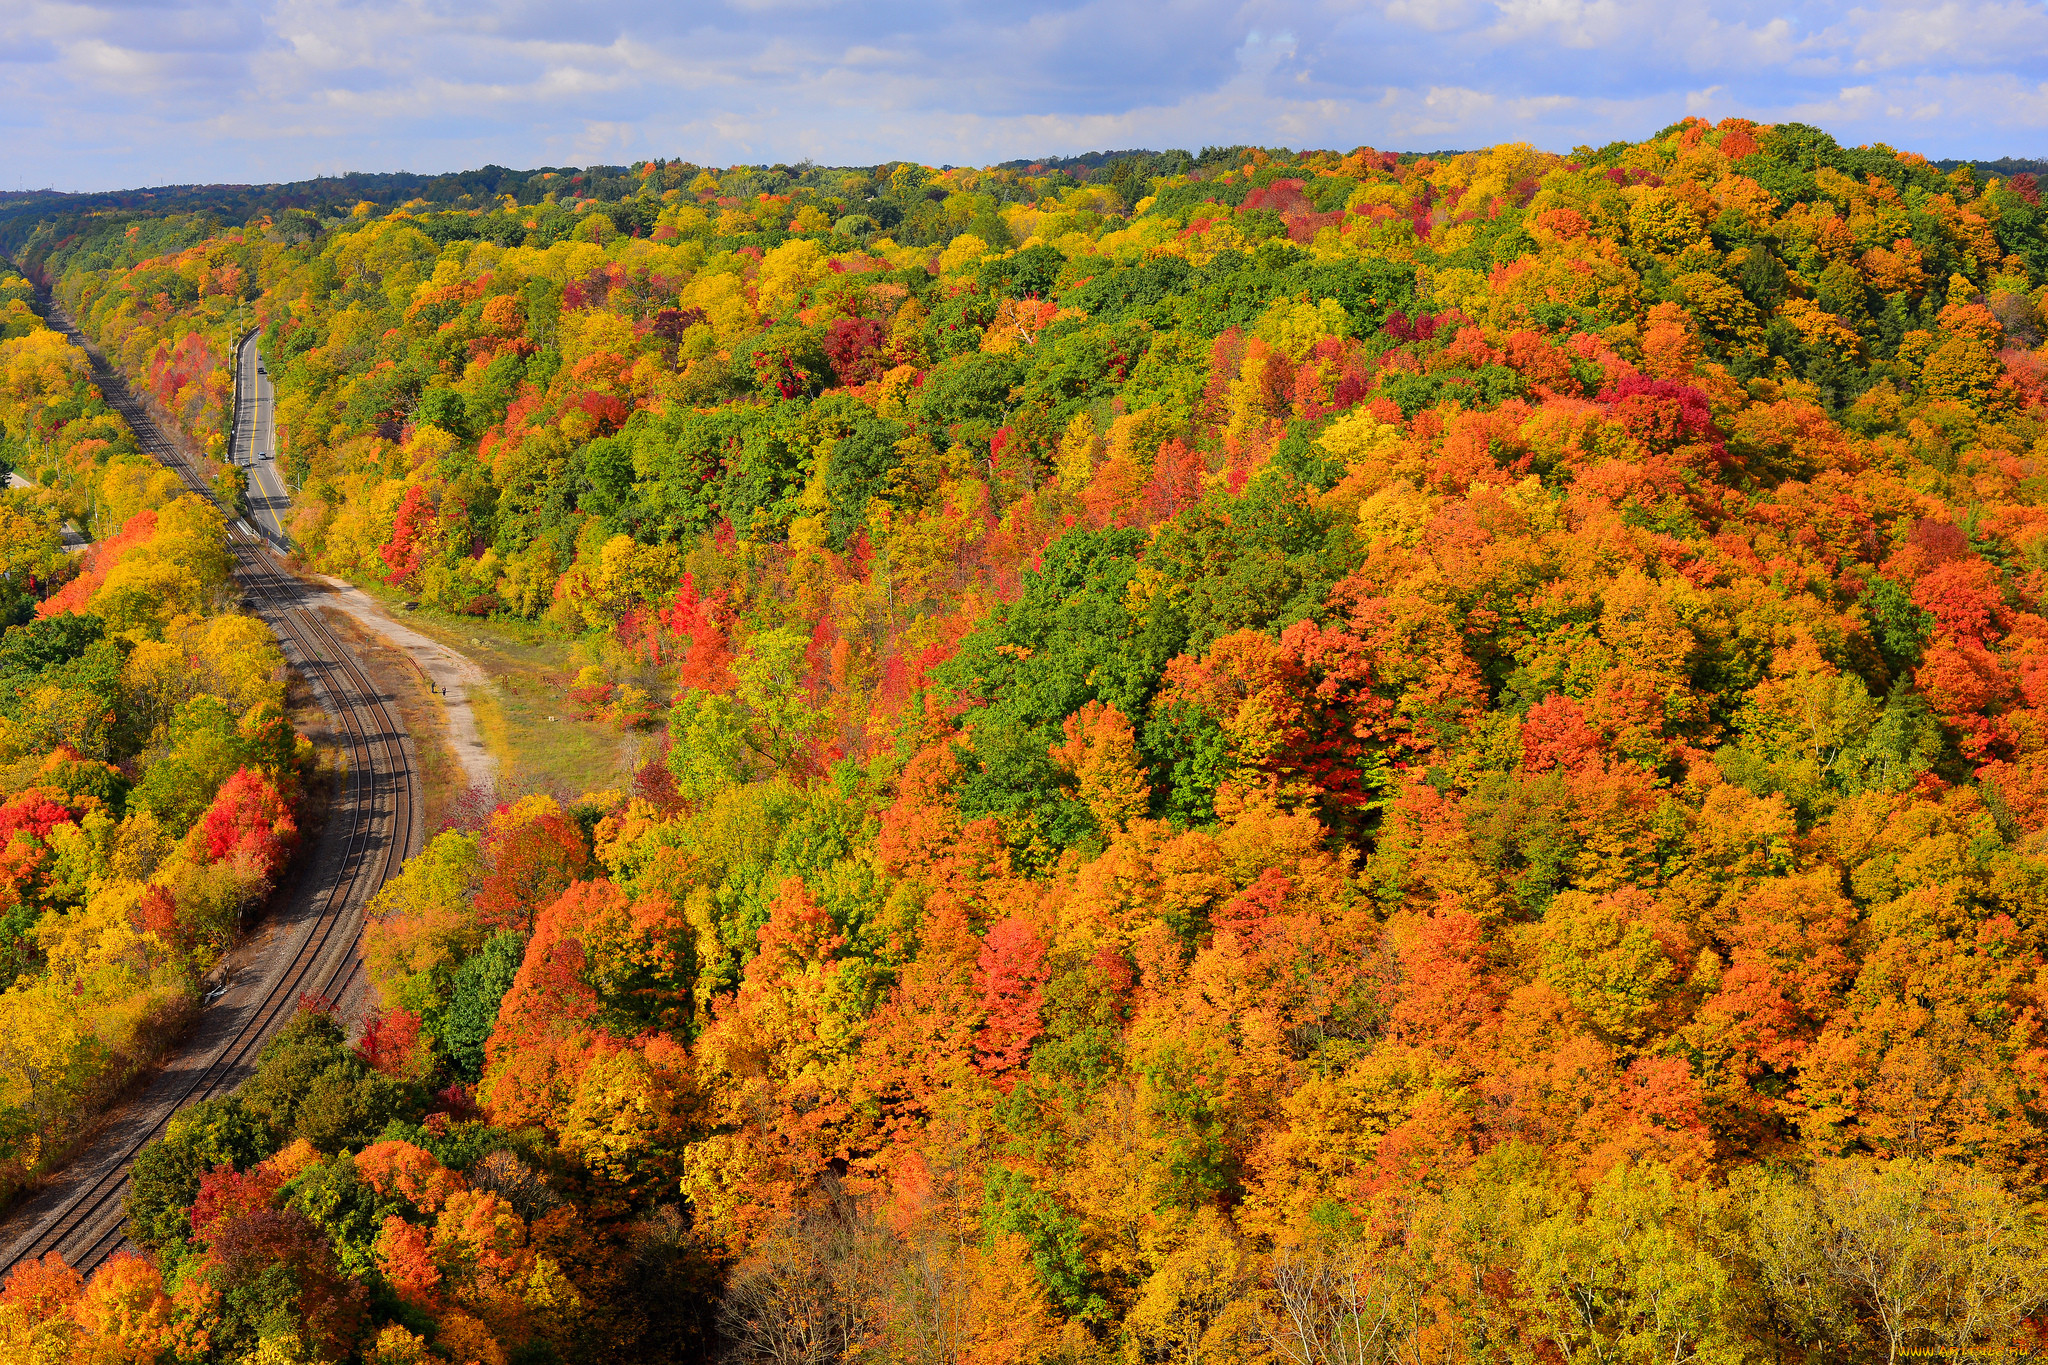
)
(310, 946)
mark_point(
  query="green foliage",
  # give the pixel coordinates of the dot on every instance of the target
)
(1071, 638)
(205, 746)
(1899, 627)
(346, 1209)
(478, 986)
(861, 466)
(1012, 1204)
(1083, 1045)
(164, 1178)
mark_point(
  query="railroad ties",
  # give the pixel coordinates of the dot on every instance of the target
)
(373, 825)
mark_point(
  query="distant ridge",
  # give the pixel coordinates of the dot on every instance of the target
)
(2003, 167)
(331, 194)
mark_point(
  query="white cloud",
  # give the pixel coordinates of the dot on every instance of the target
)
(1994, 34)
(1574, 23)
(105, 94)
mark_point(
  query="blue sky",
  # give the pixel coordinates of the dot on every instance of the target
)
(99, 94)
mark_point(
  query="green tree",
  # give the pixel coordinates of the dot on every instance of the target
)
(473, 998)
(165, 1177)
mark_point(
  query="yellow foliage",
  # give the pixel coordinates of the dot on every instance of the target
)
(961, 251)
(623, 574)
(624, 1119)
(1295, 327)
(723, 297)
(1136, 436)
(1187, 1295)
(96, 953)
(1396, 514)
(786, 272)
(1102, 754)
(1820, 328)
(1080, 451)
(1358, 435)
(588, 332)
(397, 1346)
(465, 1341)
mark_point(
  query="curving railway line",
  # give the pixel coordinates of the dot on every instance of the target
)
(306, 947)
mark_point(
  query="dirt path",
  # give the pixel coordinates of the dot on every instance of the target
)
(452, 675)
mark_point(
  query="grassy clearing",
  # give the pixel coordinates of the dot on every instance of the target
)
(526, 717)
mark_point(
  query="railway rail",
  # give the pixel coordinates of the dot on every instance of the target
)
(309, 945)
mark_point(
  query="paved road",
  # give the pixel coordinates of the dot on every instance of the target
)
(307, 944)
(255, 446)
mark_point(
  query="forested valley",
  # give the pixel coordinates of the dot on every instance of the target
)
(150, 778)
(1266, 757)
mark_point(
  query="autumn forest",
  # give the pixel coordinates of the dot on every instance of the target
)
(1263, 757)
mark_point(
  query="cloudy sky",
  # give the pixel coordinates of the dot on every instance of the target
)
(98, 94)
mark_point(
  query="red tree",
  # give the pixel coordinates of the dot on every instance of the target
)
(409, 532)
(529, 862)
(1011, 978)
(855, 346)
(249, 820)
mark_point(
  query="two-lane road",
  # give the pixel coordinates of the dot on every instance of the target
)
(255, 446)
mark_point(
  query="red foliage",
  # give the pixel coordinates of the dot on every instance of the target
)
(1446, 997)
(98, 562)
(457, 1101)
(1965, 686)
(1281, 196)
(906, 675)
(798, 931)
(592, 700)
(182, 370)
(328, 1308)
(1176, 485)
(1010, 978)
(157, 913)
(528, 862)
(1963, 596)
(1247, 912)
(779, 366)
(670, 323)
(249, 821)
(611, 413)
(1303, 227)
(43, 1289)
(857, 348)
(391, 1043)
(1662, 413)
(1555, 735)
(1401, 327)
(226, 1194)
(34, 814)
(409, 531)
(544, 1036)
(591, 291)
(702, 624)
(656, 785)
(406, 1257)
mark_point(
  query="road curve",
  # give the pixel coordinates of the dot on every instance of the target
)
(308, 944)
